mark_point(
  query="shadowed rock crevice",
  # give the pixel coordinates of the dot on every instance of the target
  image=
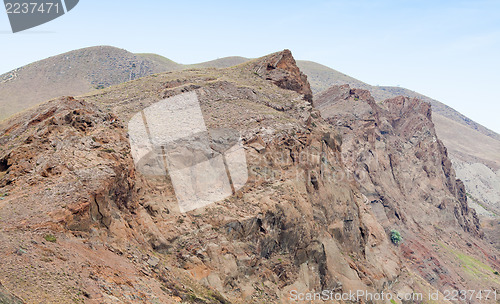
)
(4, 164)
(397, 127)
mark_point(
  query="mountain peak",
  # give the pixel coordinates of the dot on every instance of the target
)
(281, 68)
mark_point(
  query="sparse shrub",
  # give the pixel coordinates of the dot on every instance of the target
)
(50, 238)
(396, 237)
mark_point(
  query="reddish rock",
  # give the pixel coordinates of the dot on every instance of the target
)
(282, 70)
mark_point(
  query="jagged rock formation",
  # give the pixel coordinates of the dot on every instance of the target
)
(282, 70)
(322, 77)
(471, 146)
(79, 222)
(404, 171)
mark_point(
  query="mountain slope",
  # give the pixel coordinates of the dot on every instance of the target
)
(469, 144)
(71, 73)
(322, 77)
(80, 222)
(168, 64)
(80, 71)
(219, 63)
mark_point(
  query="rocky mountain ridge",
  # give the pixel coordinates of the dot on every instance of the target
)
(79, 223)
(323, 77)
(472, 148)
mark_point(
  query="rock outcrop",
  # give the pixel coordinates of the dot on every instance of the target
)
(79, 222)
(394, 145)
(282, 70)
(404, 171)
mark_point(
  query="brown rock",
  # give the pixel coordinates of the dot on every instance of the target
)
(282, 70)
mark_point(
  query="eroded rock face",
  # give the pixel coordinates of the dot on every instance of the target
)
(300, 223)
(404, 171)
(394, 147)
(59, 143)
(315, 213)
(282, 70)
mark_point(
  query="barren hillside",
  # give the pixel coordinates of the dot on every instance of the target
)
(72, 73)
(469, 144)
(79, 222)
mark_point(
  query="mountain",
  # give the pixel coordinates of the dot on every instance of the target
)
(219, 63)
(473, 148)
(366, 200)
(167, 64)
(77, 72)
(394, 152)
(322, 77)
(71, 73)
(438, 107)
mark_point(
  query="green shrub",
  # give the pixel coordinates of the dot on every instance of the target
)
(396, 237)
(50, 238)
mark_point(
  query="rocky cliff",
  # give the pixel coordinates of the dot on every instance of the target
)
(80, 223)
(404, 171)
(394, 145)
(282, 70)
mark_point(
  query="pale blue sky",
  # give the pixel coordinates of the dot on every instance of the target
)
(448, 50)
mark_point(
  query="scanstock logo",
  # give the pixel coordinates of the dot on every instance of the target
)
(27, 14)
(170, 141)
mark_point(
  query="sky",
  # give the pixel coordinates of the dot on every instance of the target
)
(447, 50)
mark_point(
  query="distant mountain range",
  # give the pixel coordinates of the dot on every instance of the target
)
(474, 149)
